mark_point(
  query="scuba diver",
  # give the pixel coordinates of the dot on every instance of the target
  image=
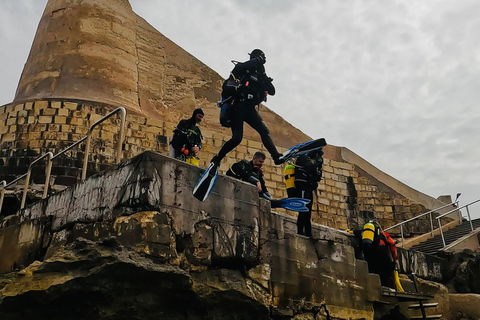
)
(246, 87)
(379, 251)
(306, 174)
(187, 138)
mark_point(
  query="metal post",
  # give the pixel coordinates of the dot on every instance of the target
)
(85, 157)
(469, 219)
(119, 143)
(2, 193)
(121, 135)
(48, 172)
(431, 223)
(29, 173)
(401, 231)
(441, 232)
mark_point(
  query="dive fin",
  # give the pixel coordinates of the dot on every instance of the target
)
(205, 184)
(294, 204)
(303, 148)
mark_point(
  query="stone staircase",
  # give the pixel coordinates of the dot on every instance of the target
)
(433, 245)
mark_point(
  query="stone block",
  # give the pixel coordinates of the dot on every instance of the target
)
(341, 185)
(36, 144)
(56, 104)
(63, 112)
(18, 108)
(40, 105)
(70, 105)
(60, 119)
(254, 144)
(217, 143)
(45, 119)
(76, 121)
(152, 129)
(8, 137)
(330, 182)
(154, 122)
(94, 118)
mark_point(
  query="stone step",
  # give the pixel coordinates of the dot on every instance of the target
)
(435, 316)
(425, 305)
(431, 246)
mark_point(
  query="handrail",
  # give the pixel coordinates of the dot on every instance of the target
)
(454, 203)
(447, 213)
(2, 193)
(51, 157)
(29, 172)
(89, 138)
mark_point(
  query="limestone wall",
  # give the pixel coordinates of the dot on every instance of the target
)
(346, 197)
(100, 50)
(141, 215)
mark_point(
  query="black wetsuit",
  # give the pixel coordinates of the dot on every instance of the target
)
(246, 171)
(307, 174)
(379, 258)
(253, 90)
(186, 135)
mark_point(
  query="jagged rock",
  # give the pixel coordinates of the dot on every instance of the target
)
(394, 314)
(464, 306)
(113, 282)
(130, 243)
(462, 271)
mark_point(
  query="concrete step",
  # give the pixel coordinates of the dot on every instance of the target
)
(435, 316)
(425, 305)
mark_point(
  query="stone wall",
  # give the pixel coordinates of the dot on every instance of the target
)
(141, 217)
(100, 50)
(346, 197)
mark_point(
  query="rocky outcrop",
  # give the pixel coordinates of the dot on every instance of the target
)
(461, 271)
(103, 280)
(464, 306)
(133, 243)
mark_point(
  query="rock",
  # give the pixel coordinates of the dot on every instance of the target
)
(462, 271)
(464, 306)
(101, 280)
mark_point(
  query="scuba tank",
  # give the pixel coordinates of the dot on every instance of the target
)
(289, 172)
(368, 234)
(192, 160)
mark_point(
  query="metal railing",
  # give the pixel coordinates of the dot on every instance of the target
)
(2, 192)
(447, 213)
(50, 157)
(454, 203)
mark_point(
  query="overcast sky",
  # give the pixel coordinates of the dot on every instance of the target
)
(397, 82)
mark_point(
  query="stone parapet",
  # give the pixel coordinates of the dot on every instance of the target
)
(145, 206)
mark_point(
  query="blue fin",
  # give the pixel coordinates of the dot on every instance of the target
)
(303, 148)
(295, 204)
(205, 184)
